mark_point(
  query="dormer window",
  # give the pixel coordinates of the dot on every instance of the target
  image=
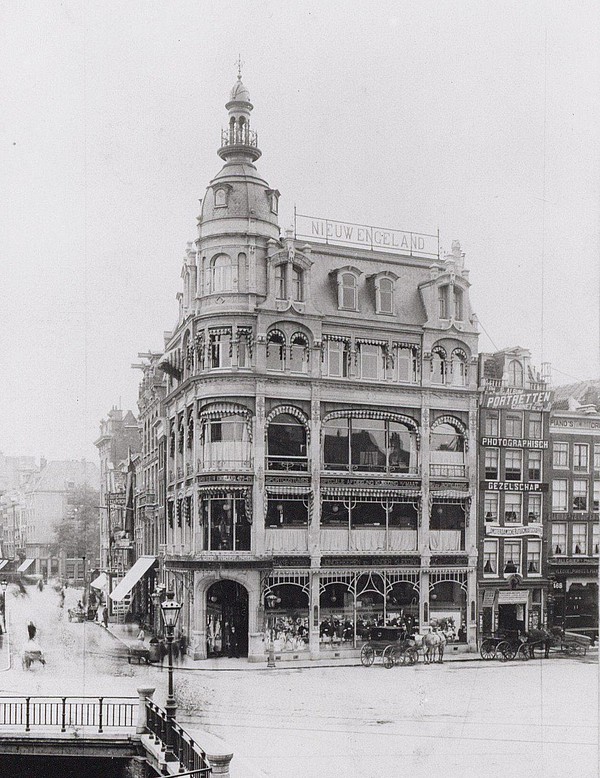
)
(458, 304)
(515, 373)
(443, 302)
(280, 285)
(384, 295)
(297, 284)
(221, 197)
(348, 292)
(274, 202)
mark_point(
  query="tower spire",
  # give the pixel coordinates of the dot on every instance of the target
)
(238, 140)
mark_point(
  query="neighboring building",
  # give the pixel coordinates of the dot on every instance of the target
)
(575, 529)
(321, 420)
(513, 497)
(14, 471)
(12, 529)
(46, 502)
(119, 440)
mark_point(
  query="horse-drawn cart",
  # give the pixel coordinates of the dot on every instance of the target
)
(391, 644)
(504, 646)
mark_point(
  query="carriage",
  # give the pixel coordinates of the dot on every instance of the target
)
(32, 653)
(510, 645)
(391, 644)
(504, 646)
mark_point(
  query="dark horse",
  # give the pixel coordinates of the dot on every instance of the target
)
(540, 637)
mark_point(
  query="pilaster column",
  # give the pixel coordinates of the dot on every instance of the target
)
(314, 545)
(258, 491)
(423, 537)
(314, 614)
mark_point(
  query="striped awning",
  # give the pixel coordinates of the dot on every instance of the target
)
(135, 574)
(358, 491)
(3, 563)
(218, 410)
(440, 495)
(286, 489)
(25, 565)
(221, 488)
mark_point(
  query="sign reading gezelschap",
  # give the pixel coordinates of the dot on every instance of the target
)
(362, 235)
(517, 399)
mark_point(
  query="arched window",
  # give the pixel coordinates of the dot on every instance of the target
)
(280, 285)
(459, 368)
(384, 295)
(438, 366)
(220, 198)
(348, 292)
(447, 451)
(226, 443)
(286, 443)
(299, 351)
(275, 350)
(515, 373)
(297, 284)
(223, 275)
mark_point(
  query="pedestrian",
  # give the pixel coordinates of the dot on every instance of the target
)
(31, 630)
(141, 635)
(233, 643)
(105, 616)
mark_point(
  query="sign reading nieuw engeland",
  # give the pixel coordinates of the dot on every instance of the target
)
(375, 238)
(516, 399)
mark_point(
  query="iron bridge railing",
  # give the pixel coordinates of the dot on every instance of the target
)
(63, 712)
(186, 750)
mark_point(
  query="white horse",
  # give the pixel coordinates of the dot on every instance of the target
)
(434, 643)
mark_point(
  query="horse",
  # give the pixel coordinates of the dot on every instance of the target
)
(434, 643)
(540, 636)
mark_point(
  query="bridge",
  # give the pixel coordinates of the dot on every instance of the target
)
(133, 731)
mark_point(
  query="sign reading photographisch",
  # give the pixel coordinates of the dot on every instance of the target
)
(515, 443)
(374, 238)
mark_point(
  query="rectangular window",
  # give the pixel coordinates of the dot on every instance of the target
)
(534, 508)
(336, 358)
(595, 537)
(220, 350)
(559, 495)
(491, 464)
(443, 301)
(535, 426)
(534, 554)
(580, 457)
(490, 557)
(580, 494)
(512, 556)
(535, 466)
(371, 361)
(514, 425)
(596, 496)
(286, 512)
(597, 457)
(458, 304)
(560, 455)
(512, 508)
(490, 506)
(579, 540)
(559, 539)
(490, 424)
(513, 463)
(406, 365)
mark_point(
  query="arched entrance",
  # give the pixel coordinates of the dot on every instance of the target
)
(226, 619)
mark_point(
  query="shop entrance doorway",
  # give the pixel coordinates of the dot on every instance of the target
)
(226, 620)
(511, 618)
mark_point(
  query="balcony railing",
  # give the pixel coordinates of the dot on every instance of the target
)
(447, 471)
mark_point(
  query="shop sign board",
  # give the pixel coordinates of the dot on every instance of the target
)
(489, 596)
(371, 482)
(516, 399)
(586, 569)
(512, 598)
(558, 424)
(518, 531)
(364, 236)
(515, 443)
(116, 498)
(513, 486)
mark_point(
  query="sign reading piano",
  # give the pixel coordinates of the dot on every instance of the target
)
(315, 228)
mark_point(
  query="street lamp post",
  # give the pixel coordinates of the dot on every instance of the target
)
(3, 588)
(170, 611)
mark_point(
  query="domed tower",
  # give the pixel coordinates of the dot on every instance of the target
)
(238, 199)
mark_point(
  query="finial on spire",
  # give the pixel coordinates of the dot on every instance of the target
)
(240, 65)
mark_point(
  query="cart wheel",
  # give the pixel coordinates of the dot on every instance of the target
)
(523, 653)
(388, 659)
(505, 651)
(488, 649)
(574, 650)
(412, 656)
(367, 655)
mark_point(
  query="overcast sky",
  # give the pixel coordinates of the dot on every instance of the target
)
(480, 118)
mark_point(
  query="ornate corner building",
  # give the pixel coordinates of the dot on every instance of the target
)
(320, 429)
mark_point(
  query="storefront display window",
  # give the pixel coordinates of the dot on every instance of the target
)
(226, 525)
(286, 618)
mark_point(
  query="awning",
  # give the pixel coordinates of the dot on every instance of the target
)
(137, 572)
(24, 565)
(3, 563)
(289, 489)
(101, 582)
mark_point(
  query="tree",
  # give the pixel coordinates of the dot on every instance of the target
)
(78, 532)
